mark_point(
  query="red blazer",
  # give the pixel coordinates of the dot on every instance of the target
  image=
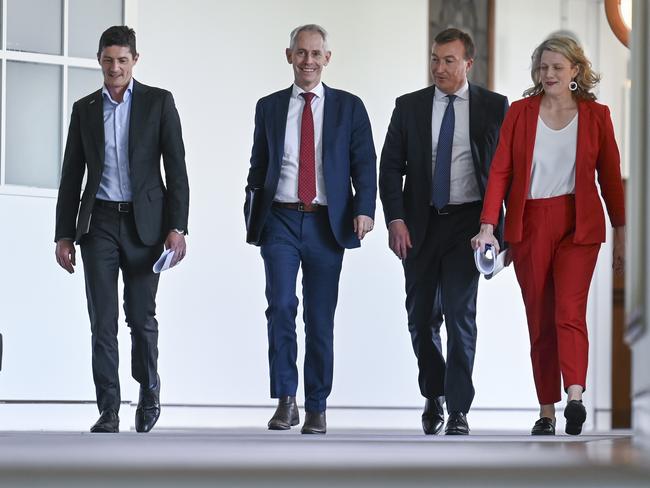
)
(596, 151)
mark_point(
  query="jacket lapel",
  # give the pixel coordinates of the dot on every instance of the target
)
(280, 125)
(584, 123)
(532, 114)
(330, 111)
(476, 116)
(137, 117)
(423, 121)
(96, 123)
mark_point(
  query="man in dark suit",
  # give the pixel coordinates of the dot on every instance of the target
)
(310, 142)
(441, 139)
(118, 135)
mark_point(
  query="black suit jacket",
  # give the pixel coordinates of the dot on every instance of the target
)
(154, 131)
(408, 153)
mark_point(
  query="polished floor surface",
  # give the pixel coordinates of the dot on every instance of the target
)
(345, 457)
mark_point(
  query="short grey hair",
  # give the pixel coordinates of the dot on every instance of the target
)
(308, 28)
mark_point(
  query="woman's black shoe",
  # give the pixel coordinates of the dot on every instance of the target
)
(575, 415)
(544, 426)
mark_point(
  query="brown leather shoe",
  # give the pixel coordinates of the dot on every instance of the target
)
(315, 423)
(286, 415)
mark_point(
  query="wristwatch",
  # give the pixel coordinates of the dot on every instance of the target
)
(179, 231)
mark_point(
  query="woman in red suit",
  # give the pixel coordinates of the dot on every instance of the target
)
(552, 145)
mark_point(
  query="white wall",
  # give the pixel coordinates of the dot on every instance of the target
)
(218, 58)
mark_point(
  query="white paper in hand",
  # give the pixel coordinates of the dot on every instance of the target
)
(487, 263)
(164, 261)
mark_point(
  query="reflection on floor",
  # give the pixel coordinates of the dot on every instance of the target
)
(344, 457)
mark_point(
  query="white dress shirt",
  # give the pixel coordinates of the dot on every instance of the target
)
(553, 171)
(288, 184)
(463, 185)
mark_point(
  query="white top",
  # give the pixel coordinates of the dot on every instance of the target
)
(554, 160)
(463, 185)
(288, 184)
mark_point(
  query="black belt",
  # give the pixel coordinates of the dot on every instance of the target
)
(451, 209)
(301, 207)
(122, 207)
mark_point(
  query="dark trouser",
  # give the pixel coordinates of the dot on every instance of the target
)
(113, 244)
(442, 281)
(292, 239)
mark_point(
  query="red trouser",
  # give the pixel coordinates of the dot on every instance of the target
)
(554, 274)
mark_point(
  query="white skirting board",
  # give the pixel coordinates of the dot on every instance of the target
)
(641, 419)
(80, 416)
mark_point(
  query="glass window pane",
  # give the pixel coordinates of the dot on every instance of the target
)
(35, 26)
(87, 20)
(33, 124)
(82, 82)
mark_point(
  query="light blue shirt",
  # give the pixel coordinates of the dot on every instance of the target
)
(116, 179)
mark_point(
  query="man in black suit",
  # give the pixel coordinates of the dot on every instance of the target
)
(118, 134)
(442, 139)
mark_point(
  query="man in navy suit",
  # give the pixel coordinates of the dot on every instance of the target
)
(432, 178)
(311, 142)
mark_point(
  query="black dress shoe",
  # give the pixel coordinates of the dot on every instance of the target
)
(457, 424)
(315, 423)
(575, 415)
(108, 422)
(148, 411)
(544, 426)
(433, 417)
(286, 415)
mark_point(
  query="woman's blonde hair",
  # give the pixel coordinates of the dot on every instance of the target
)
(586, 78)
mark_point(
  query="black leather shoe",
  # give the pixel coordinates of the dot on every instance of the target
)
(457, 424)
(315, 423)
(286, 415)
(575, 415)
(148, 411)
(544, 426)
(108, 422)
(433, 417)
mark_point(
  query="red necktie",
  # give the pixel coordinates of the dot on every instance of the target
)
(307, 163)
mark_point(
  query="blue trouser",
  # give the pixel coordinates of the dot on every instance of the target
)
(290, 239)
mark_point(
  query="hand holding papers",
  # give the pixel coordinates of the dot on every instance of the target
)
(487, 263)
(164, 261)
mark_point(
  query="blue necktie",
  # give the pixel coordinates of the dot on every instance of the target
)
(442, 171)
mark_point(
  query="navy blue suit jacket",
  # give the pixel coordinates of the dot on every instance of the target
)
(349, 158)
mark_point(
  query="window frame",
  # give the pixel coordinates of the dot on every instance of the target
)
(129, 7)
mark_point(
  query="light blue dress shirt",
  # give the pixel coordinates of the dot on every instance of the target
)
(116, 179)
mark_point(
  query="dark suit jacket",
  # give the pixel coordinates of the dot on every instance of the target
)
(348, 157)
(408, 152)
(155, 130)
(596, 151)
